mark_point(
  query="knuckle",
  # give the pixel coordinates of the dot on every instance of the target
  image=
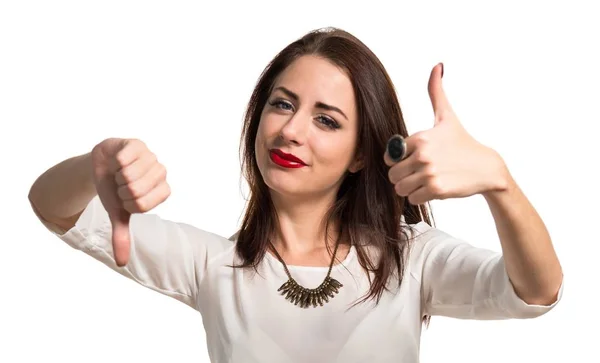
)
(391, 175)
(429, 171)
(150, 157)
(436, 187)
(142, 205)
(421, 138)
(137, 142)
(422, 156)
(166, 192)
(96, 150)
(136, 190)
(162, 171)
(124, 176)
(399, 190)
(121, 158)
(413, 200)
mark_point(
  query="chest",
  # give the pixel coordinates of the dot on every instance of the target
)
(245, 315)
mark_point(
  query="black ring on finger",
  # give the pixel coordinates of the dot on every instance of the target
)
(396, 148)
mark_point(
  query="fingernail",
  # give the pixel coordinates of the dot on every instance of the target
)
(396, 148)
(442, 69)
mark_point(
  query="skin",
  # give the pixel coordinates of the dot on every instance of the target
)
(301, 196)
(442, 162)
(446, 162)
(127, 177)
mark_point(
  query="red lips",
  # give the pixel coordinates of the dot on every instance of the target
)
(286, 160)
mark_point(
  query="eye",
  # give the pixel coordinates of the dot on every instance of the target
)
(324, 120)
(279, 103)
(329, 122)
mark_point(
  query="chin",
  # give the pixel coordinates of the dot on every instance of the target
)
(283, 183)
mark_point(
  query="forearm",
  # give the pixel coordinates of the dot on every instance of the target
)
(531, 261)
(64, 190)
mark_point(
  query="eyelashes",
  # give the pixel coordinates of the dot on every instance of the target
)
(325, 120)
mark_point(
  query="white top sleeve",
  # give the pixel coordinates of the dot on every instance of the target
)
(242, 314)
(460, 280)
(168, 257)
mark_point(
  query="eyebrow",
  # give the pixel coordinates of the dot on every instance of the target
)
(317, 104)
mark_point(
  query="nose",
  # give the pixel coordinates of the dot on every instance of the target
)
(295, 129)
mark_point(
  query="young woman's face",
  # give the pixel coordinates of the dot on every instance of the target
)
(310, 114)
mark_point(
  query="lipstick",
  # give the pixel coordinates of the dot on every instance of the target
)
(285, 160)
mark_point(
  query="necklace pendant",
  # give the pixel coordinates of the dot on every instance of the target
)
(303, 297)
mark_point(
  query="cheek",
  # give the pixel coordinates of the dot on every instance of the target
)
(263, 131)
(268, 122)
(333, 153)
(258, 142)
(264, 135)
(267, 130)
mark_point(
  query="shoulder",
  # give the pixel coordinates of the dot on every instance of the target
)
(422, 237)
(431, 247)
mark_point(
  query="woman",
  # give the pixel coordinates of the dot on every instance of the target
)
(336, 259)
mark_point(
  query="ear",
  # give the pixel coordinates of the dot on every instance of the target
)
(357, 164)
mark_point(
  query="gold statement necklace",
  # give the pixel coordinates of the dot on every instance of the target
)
(303, 297)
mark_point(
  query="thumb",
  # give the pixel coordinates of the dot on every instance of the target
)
(441, 106)
(121, 239)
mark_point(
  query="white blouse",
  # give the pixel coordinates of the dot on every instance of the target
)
(246, 320)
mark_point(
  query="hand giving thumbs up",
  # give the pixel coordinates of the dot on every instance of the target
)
(444, 161)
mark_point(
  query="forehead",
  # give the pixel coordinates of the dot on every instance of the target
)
(316, 79)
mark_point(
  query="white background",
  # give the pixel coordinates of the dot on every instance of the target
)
(523, 77)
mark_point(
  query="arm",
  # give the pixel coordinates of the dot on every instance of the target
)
(460, 280)
(531, 262)
(457, 279)
(168, 257)
(60, 194)
(165, 256)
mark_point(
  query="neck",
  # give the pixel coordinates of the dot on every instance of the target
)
(301, 224)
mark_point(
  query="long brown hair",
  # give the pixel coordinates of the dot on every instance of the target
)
(366, 205)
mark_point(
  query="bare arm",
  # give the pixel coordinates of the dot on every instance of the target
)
(61, 193)
(97, 204)
(531, 261)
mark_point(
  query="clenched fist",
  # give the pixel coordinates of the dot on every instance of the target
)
(129, 179)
